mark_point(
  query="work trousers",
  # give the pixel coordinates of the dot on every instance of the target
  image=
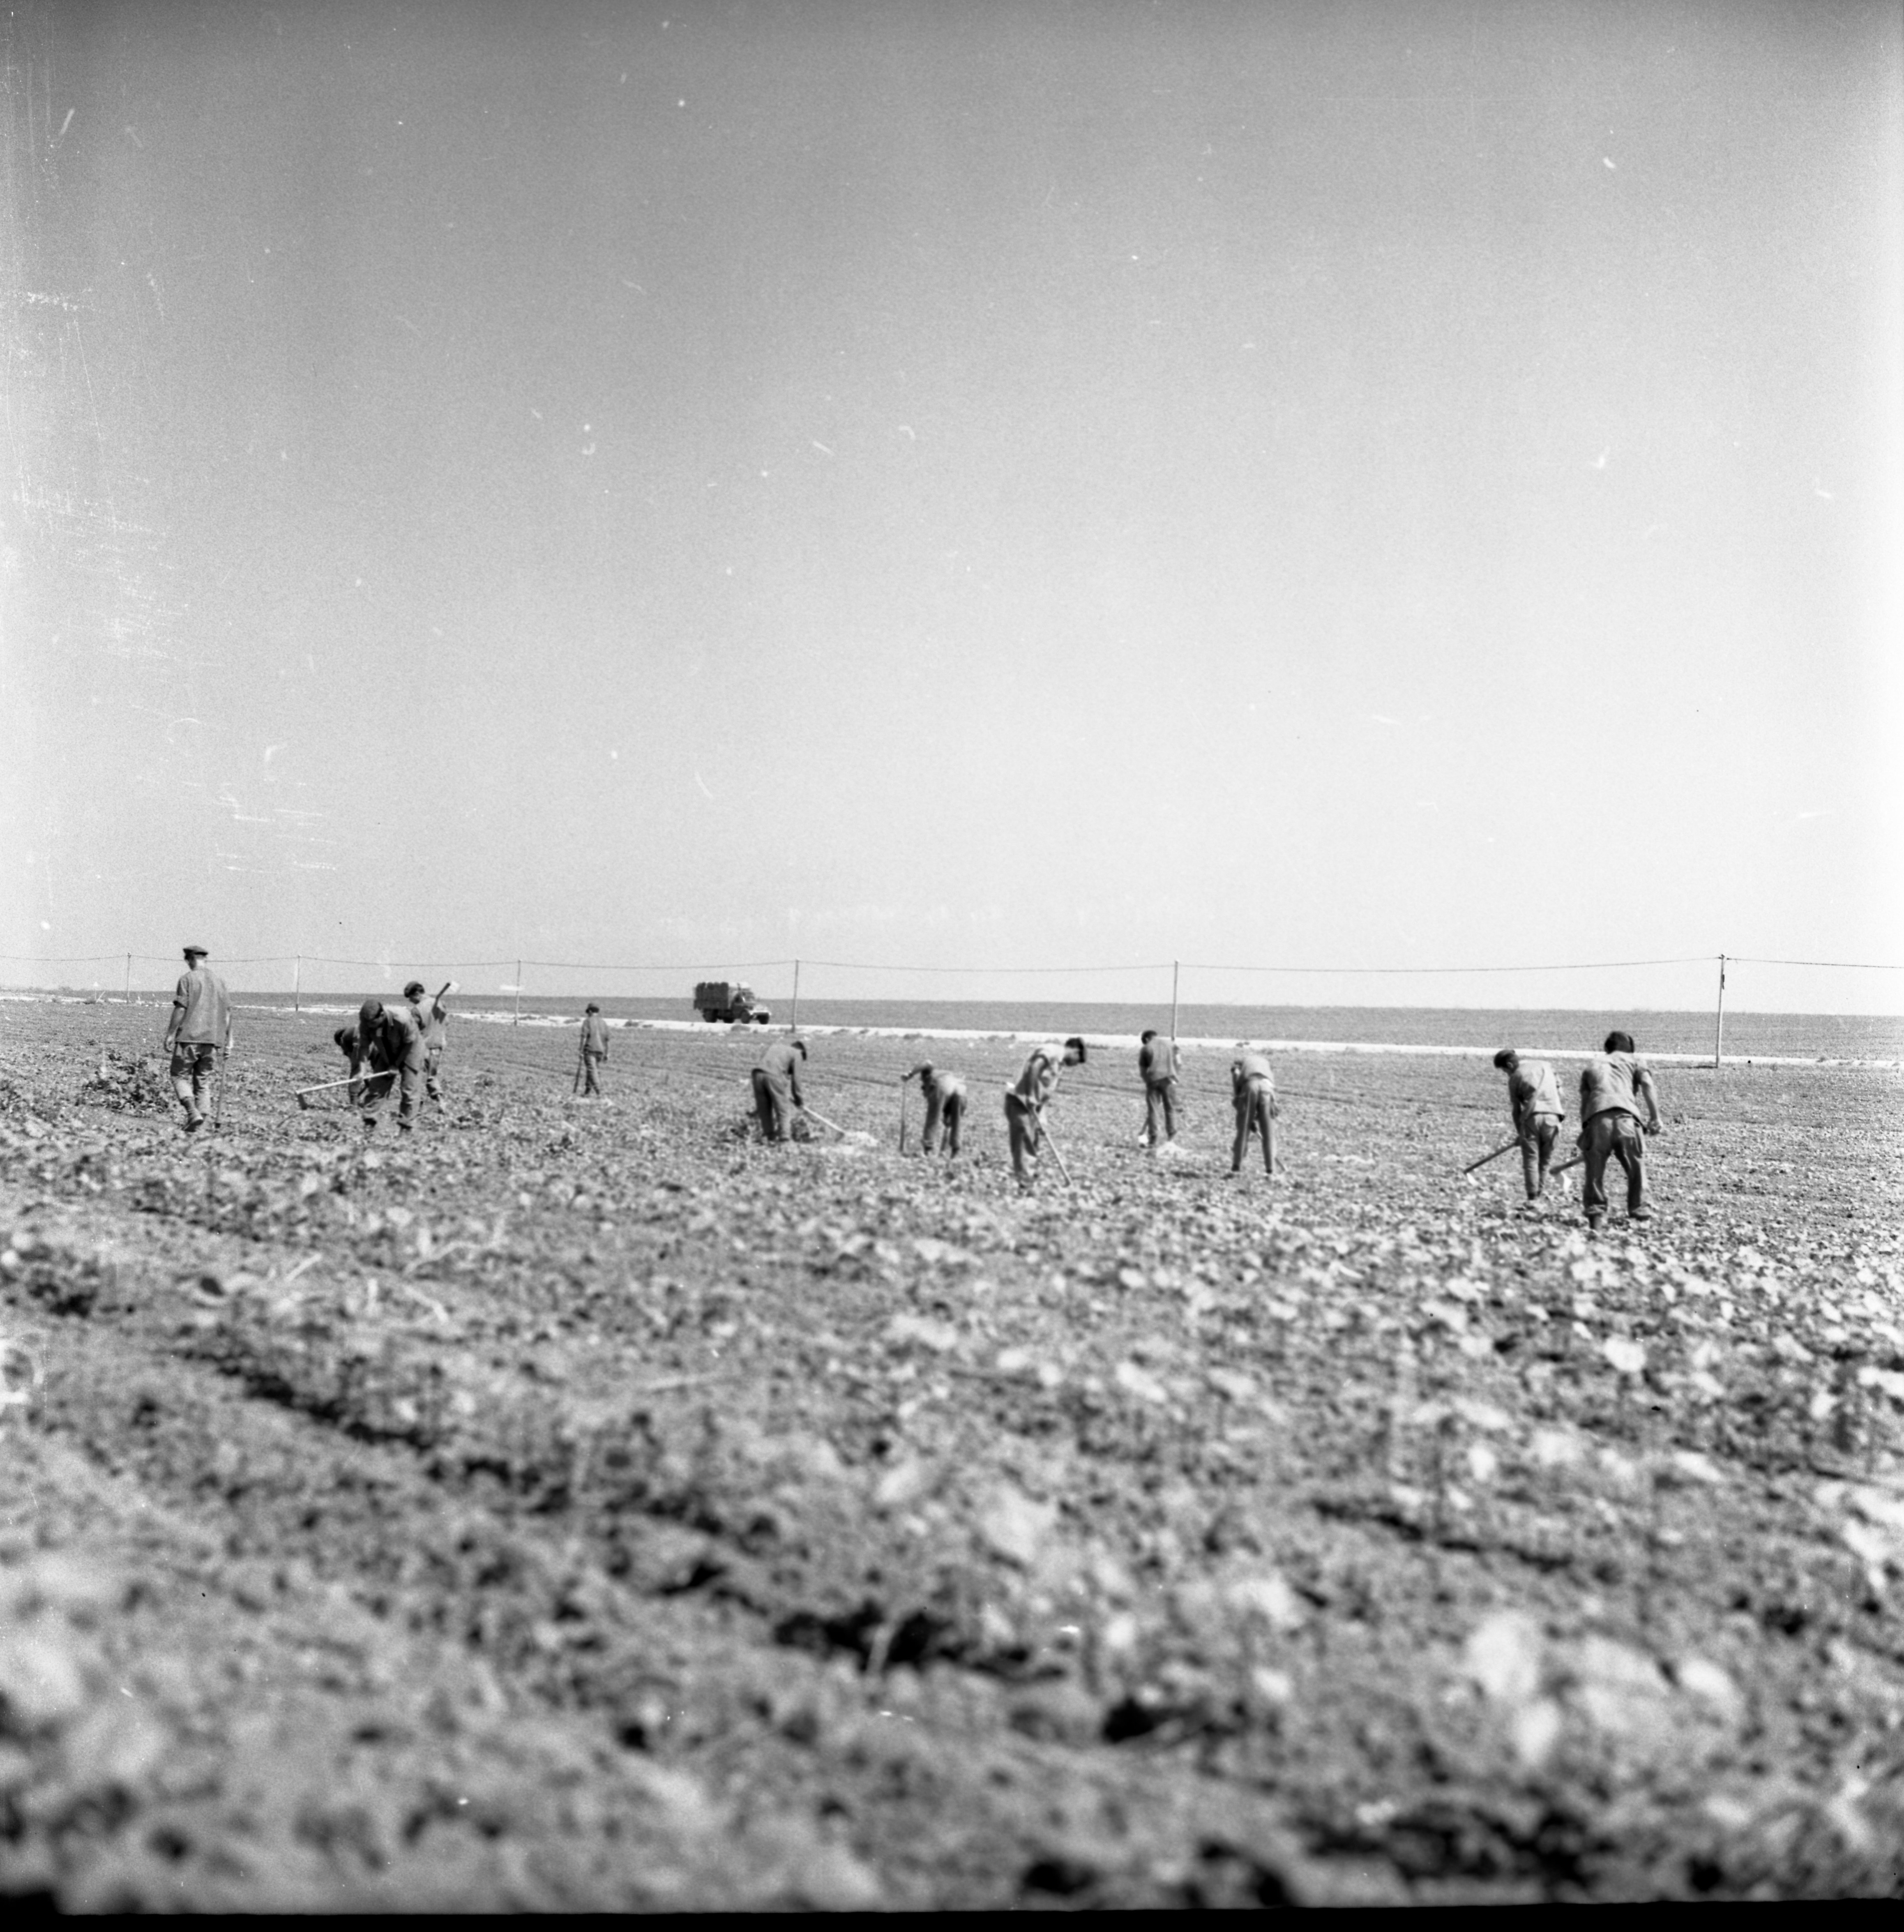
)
(1538, 1131)
(1255, 1113)
(773, 1105)
(433, 1059)
(949, 1108)
(1022, 1129)
(1160, 1101)
(406, 1080)
(194, 1067)
(591, 1062)
(1616, 1136)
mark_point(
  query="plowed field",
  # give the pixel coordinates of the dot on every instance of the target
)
(578, 1505)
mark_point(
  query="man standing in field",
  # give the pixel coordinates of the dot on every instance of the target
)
(1611, 1086)
(1533, 1098)
(945, 1099)
(199, 1030)
(1024, 1100)
(433, 1023)
(1252, 1088)
(594, 1048)
(1157, 1061)
(390, 1037)
(777, 1095)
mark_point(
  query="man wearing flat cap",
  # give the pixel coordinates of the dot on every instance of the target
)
(199, 1030)
(389, 1034)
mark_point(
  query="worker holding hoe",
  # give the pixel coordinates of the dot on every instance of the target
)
(777, 1095)
(1533, 1098)
(433, 1023)
(594, 1049)
(390, 1042)
(1612, 1086)
(1157, 1062)
(944, 1100)
(1025, 1099)
(1252, 1088)
(198, 1032)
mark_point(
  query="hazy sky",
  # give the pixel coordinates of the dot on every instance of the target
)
(959, 484)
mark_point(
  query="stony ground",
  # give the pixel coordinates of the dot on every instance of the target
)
(581, 1506)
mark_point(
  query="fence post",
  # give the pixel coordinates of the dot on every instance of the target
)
(298, 984)
(1718, 1024)
(795, 1027)
(1175, 967)
(517, 1020)
(128, 979)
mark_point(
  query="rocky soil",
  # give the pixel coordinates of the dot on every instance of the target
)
(581, 1505)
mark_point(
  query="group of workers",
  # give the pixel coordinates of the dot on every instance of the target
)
(1613, 1086)
(400, 1048)
(392, 1047)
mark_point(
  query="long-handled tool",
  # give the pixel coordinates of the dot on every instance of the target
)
(218, 1091)
(812, 1114)
(362, 1078)
(1057, 1152)
(902, 1116)
(1506, 1147)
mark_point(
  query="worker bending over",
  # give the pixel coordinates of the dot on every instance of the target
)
(1611, 1086)
(389, 1037)
(777, 1095)
(1533, 1098)
(1025, 1099)
(200, 1029)
(944, 1100)
(595, 1048)
(1252, 1088)
(1157, 1061)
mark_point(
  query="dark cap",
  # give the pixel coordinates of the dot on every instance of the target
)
(415, 987)
(195, 952)
(591, 1008)
(369, 1012)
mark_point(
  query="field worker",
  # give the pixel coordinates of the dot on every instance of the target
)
(777, 1094)
(1533, 1098)
(1612, 1086)
(390, 1042)
(944, 1100)
(1252, 1088)
(433, 1022)
(1024, 1099)
(594, 1047)
(200, 1029)
(1157, 1061)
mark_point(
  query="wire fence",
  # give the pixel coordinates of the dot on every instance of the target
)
(828, 986)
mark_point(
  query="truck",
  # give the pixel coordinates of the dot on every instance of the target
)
(720, 999)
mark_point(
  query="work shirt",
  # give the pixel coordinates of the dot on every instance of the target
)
(1249, 1066)
(1611, 1083)
(1157, 1060)
(595, 1034)
(1532, 1089)
(937, 1086)
(201, 1009)
(393, 1038)
(781, 1061)
(433, 1023)
(1039, 1080)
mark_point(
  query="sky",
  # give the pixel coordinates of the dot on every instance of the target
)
(958, 486)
